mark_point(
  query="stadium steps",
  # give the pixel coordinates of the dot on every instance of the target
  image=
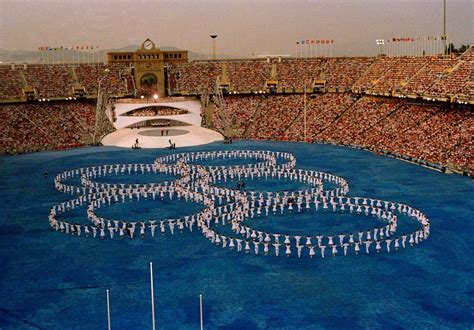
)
(336, 119)
(297, 117)
(445, 76)
(416, 125)
(90, 132)
(389, 114)
(381, 78)
(255, 115)
(45, 132)
(363, 75)
(24, 82)
(434, 132)
(74, 75)
(427, 63)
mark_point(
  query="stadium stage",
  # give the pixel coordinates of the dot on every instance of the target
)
(58, 281)
(189, 133)
(183, 136)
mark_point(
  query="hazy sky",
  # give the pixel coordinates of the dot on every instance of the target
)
(244, 26)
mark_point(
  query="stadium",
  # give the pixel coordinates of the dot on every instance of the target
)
(145, 189)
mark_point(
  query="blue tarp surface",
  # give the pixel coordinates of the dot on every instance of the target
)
(50, 280)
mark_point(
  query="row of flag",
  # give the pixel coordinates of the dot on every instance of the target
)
(315, 42)
(409, 39)
(49, 48)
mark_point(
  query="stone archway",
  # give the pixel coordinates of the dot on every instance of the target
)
(148, 85)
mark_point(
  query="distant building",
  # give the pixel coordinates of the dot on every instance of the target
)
(148, 64)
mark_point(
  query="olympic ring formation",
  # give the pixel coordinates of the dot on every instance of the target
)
(225, 214)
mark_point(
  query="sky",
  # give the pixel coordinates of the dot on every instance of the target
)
(244, 27)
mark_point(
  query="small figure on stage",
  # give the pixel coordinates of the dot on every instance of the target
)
(172, 145)
(135, 145)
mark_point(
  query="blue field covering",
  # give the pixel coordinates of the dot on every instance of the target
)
(50, 280)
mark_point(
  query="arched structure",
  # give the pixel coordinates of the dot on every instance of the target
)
(155, 124)
(149, 63)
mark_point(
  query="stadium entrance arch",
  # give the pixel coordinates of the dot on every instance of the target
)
(148, 64)
(149, 85)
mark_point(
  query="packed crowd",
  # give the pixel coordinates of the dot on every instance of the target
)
(46, 126)
(51, 81)
(436, 76)
(10, 82)
(238, 115)
(430, 75)
(156, 111)
(427, 132)
(460, 79)
(252, 75)
(321, 111)
(427, 75)
(117, 79)
(194, 76)
(274, 115)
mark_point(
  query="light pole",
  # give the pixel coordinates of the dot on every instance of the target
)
(380, 42)
(213, 36)
(304, 114)
(99, 104)
(444, 26)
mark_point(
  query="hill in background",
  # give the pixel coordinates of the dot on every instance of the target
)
(27, 56)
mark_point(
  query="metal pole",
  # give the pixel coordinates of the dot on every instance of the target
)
(304, 114)
(152, 297)
(200, 311)
(444, 26)
(108, 309)
(213, 36)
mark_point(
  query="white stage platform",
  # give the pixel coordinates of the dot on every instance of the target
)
(190, 134)
(151, 137)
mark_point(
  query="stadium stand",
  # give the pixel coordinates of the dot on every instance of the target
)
(46, 126)
(423, 132)
(427, 75)
(10, 86)
(50, 80)
(343, 112)
(458, 79)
